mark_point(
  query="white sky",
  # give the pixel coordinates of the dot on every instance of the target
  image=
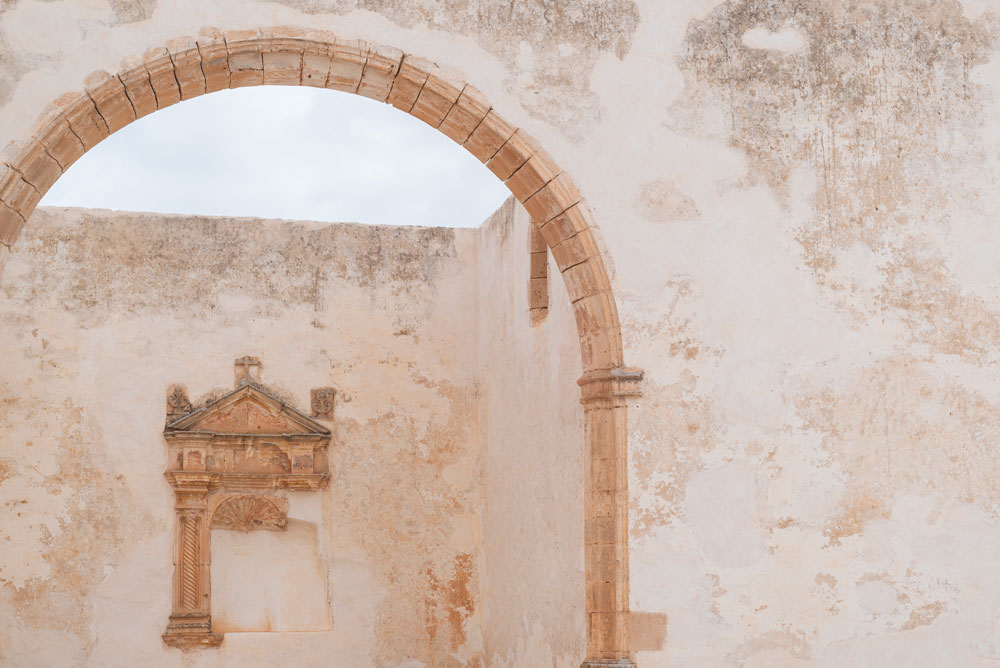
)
(285, 152)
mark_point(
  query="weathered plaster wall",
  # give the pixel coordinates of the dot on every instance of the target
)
(797, 199)
(531, 426)
(103, 310)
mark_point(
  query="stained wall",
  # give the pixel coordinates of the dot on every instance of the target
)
(797, 203)
(382, 568)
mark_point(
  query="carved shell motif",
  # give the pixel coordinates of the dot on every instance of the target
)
(246, 513)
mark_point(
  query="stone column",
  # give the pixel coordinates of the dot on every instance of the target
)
(191, 621)
(605, 394)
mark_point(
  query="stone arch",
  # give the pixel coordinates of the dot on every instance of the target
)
(214, 61)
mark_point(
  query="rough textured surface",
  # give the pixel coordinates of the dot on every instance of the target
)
(798, 203)
(87, 533)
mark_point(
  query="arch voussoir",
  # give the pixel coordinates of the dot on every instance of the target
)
(139, 91)
(512, 155)
(162, 77)
(436, 98)
(489, 137)
(406, 87)
(532, 176)
(186, 61)
(380, 70)
(246, 58)
(214, 60)
(466, 115)
(111, 101)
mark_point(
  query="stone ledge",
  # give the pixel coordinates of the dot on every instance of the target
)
(188, 641)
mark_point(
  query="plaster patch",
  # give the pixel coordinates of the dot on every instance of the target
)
(879, 111)
(787, 39)
(662, 202)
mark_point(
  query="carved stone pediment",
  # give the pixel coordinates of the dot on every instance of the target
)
(228, 462)
(247, 410)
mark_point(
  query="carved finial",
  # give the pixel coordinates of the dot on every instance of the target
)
(177, 401)
(247, 370)
(322, 402)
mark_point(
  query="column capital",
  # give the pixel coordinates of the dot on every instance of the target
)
(189, 481)
(606, 384)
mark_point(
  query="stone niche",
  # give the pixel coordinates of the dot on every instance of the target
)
(231, 463)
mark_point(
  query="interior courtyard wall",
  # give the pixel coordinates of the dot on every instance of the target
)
(531, 427)
(104, 310)
(799, 202)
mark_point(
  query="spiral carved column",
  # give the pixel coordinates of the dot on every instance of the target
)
(191, 622)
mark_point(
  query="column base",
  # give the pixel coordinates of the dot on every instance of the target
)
(191, 632)
(608, 663)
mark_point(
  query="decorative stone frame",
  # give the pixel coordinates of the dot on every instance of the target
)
(214, 60)
(225, 461)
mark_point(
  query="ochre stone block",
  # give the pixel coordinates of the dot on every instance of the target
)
(413, 72)
(586, 278)
(187, 68)
(139, 90)
(283, 68)
(315, 68)
(112, 103)
(575, 250)
(599, 530)
(595, 312)
(465, 116)
(379, 72)
(437, 97)
(214, 60)
(246, 62)
(11, 223)
(61, 143)
(489, 136)
(514, 153)
(162, 78)
(552, 199)
(346, 65)
(601, 350)
(606, 596)
(38, 167)
(569, 223)
(539, 265)
(538, 292)
(245, 69)
(531, 177)
(20, 195)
